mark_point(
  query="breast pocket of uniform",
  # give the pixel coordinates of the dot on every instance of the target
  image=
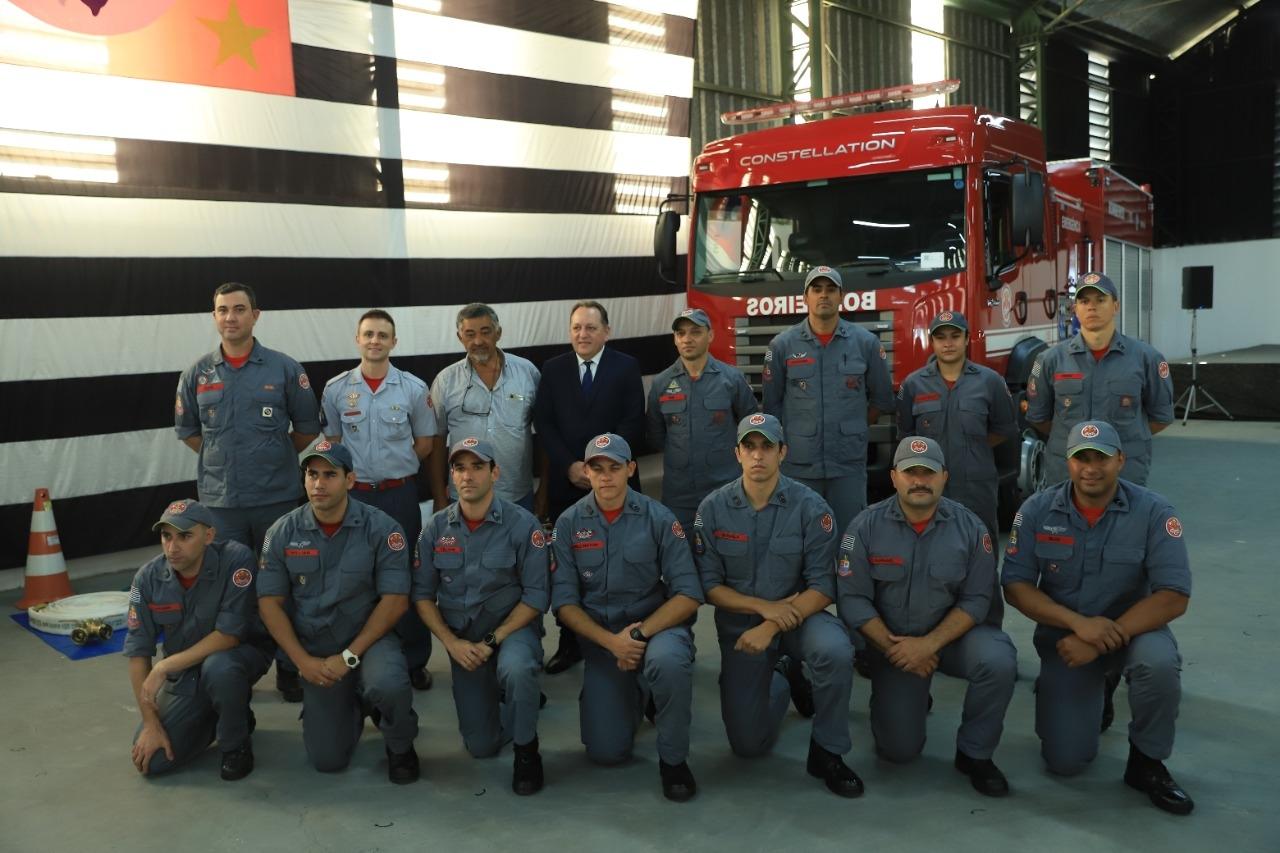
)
(1067, 384)
(1125, 400)
(166, 615)
(642, 566)
(451, 590)
(1122, 568)
(355, 420)
(973, 416)
(500, 567)
(853, 370)
(889, 575)
(786, 565)
(733, 553)
(1058, 572)
(304, 572)
(945, 580)
(394, 421)
(209, 399)
(802, 380)
(926, 411)
(590, 560)
(269, 410)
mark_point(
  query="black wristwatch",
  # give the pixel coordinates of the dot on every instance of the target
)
(638, 635)
(490, 640)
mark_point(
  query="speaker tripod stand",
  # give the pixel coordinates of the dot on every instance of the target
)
(1194, 390)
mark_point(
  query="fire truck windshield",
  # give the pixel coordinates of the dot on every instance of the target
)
(877, 230)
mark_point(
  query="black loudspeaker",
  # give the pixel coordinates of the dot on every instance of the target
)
(1197, 288)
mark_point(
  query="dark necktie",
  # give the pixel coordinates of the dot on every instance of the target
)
(586, 378)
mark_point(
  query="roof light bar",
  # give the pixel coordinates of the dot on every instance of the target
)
(839, 102)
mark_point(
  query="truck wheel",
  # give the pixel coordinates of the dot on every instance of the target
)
(1031, 464)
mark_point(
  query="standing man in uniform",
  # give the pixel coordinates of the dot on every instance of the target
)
(967, 409)
(582, 394)
(383, 416)
(200, 594)
(1100, 374)
(1099, 564)
(481, 585)
(766, 549)
(343, 566)
(489, 394)
(916, 575)
(694, 407)
(624, 582)
(234, 408)
(825, 379)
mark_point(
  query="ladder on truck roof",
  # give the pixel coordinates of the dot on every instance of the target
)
(904, 92)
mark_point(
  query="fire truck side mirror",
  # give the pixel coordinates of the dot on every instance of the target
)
(664, 244)
(1028, 210)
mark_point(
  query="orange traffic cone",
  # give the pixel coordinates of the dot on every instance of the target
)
(46, 578)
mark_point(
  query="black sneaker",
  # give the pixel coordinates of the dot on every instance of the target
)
(402, 767)
(832, 770)
(983, 774)
(288, 684)
(801, 689)
(526, 772)
(678, 784)
(1153, 779)
(238, 763)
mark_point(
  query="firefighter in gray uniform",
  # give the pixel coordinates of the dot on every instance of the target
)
(1100, 565)
(234, 409)
(625, 583)
(766, 548)
(1100, 374)
(825, 379)
(481, 585)
(967, 409)
(344, 567)
(199, 594)
(694, 408)
(915, 575)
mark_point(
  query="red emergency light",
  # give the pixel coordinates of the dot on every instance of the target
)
(840, 102)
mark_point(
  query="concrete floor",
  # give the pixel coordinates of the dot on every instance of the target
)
(67, 783)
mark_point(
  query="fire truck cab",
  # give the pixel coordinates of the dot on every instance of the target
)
(921, 211)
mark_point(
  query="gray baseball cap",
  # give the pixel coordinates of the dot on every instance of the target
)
(185, 514)
(693, 315)
(335, 454)
(767, 425)
(823, 271)
(609, 445)
(917, 450)
(482, 449)
(949, 318)
(1094, 435)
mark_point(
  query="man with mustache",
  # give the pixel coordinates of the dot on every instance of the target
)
(1099, 564)
(916, 575)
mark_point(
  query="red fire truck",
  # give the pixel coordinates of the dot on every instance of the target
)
(924, 210)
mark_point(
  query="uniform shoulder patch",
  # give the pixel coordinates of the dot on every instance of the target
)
(986, 542)
(135, 595)
(242, 578)
(677, 530)
(826, 522)
(537, 539)
(396, 541)
(132, 620)
(843, 569)
(177, 407)
(1164, 370)
(303, 382)
(1173, 527)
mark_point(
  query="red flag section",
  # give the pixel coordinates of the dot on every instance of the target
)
(234, 44)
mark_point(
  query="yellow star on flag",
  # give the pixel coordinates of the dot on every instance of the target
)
(235, 37)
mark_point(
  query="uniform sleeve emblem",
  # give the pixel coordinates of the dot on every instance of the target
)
(538, 540)
(677, 530)
(986, 542)
(826, 522)
(179, 411)
(132, 620)
(242, 578)
(1173, 527)
(883, 355)
(303, 382)
(135, 595)
(1031, 386)
(843, 569)
(396, 541)
(1164, 371)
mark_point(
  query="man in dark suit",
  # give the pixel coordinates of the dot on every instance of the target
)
(582, 394)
